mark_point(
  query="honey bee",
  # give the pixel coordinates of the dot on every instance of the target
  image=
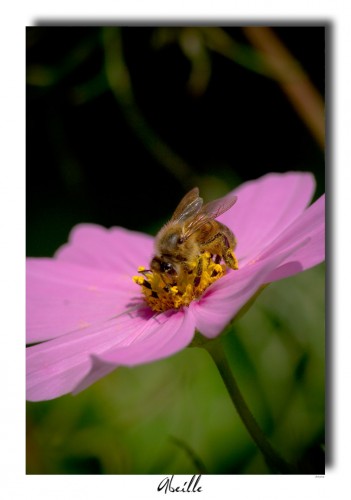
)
(191, 231)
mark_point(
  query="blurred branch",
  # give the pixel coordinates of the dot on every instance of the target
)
(89, 90)
(197, 462)
(45, 76)
(120, 84)
(305, 98)
(273, 60)
(217, 40)
(195, 51)
(273, 459)
(191, 42)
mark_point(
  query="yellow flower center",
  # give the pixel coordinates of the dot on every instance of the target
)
(163, 292)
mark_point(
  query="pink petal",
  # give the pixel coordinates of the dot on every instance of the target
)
(65, 364)
(115, 250)
(56, 366)
(311, 225)
(165, 335)
(223, 300)
(265, 207)
(63, 297)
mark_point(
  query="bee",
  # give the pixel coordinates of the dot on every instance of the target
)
(193, 230)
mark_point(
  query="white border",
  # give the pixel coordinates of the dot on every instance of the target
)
(14, 483)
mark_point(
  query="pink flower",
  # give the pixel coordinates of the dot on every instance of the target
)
(89, 316)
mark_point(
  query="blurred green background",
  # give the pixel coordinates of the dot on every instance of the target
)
(120, 123)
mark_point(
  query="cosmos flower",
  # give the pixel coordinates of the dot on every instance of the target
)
(86, 315)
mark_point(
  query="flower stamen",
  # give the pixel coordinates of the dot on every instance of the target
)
(163, 292)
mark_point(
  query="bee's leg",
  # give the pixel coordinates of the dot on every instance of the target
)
(227, 253)
(198, 273)
(230, 259)
(217, 259)
(229, 256)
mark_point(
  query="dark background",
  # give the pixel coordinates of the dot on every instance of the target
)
(125, 156)
(121, 122)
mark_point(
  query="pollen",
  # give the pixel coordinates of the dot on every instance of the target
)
(163, 292)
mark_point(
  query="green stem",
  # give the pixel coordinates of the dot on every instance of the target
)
(272, 458)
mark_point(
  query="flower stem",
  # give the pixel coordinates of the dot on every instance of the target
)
(272, 458)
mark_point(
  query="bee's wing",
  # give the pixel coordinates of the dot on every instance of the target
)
(210, 211)
(215, 208)
(189, 206)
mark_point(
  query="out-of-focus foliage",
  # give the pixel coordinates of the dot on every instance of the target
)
(116, 132)
(120, 122)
